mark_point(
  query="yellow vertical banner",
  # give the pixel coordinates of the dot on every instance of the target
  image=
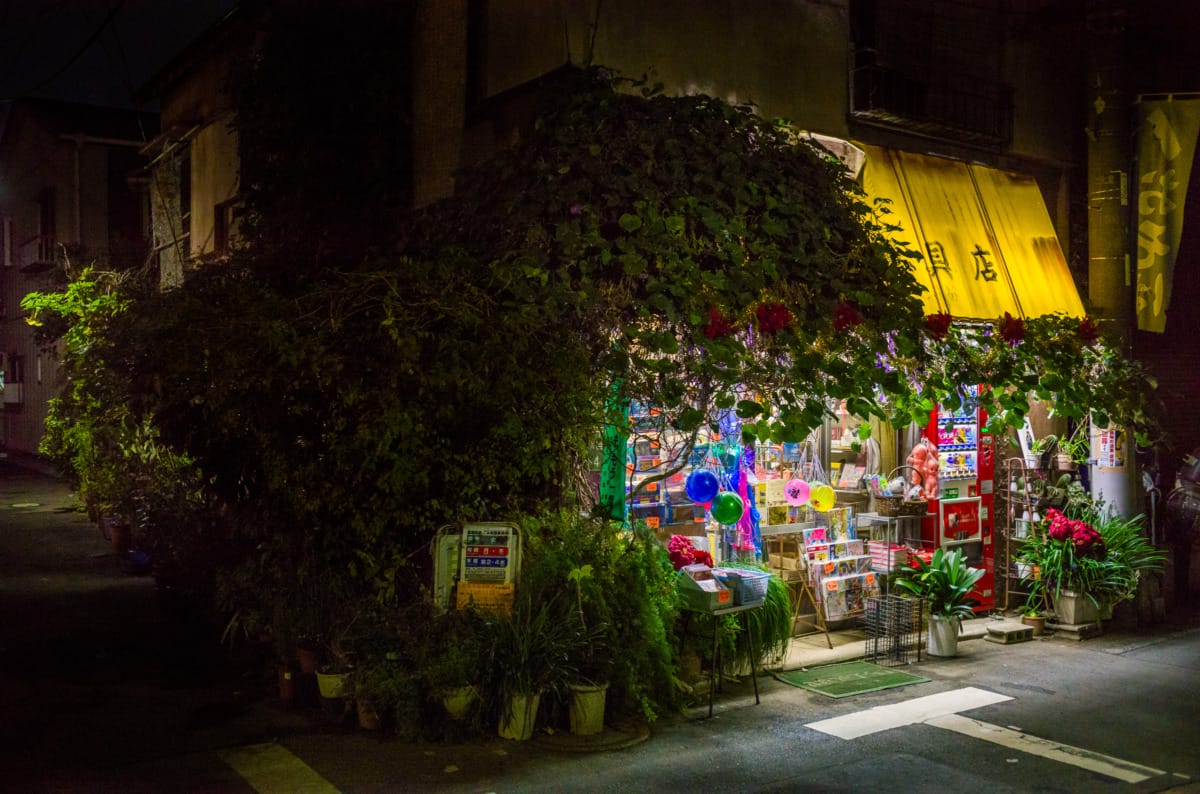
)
(1166, 146)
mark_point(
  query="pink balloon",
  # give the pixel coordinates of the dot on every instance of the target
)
(796, 492)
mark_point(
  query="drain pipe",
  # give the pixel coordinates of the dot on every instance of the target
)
(1110, 278)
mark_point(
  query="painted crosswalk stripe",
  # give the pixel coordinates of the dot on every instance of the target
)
(271, 769)
(908, 712)
(1125, 771)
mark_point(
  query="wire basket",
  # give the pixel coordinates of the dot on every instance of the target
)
(893, 506)
(858, 500)
(749, 587)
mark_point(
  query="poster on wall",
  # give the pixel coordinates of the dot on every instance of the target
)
(1109, 447)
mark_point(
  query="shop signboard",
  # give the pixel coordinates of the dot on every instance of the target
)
(489, 553)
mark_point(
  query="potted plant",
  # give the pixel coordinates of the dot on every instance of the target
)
(1041, 449)
(452, 668)
(386, 686)
(1075, 449)
(1088, 561)
(1033, 614)
(530, 654)
(945, 582)
(588, 694)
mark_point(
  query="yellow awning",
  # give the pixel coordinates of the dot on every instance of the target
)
(985, 237)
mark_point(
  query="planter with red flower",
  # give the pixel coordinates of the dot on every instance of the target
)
(1089, 562)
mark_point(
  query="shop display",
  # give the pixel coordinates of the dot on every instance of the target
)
(702, 590)
(839, 574)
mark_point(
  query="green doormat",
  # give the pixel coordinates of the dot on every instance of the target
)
(849, 678)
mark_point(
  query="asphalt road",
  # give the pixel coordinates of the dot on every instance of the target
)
(99, 691)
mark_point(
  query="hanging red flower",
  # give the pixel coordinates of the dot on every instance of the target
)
(718, 325)
(1012, 329)
(1089, 331)
(845, 316)
(773, 317)
(938, 325)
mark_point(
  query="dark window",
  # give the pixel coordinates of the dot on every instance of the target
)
(184, 165)
(933, 67)
(47, 207)
(6, 241)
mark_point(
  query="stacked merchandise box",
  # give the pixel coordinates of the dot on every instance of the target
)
(887, 557)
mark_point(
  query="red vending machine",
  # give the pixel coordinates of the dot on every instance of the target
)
(963, 514)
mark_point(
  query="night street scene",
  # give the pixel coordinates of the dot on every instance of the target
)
(589, 395)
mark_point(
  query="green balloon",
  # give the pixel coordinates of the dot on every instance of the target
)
(727, 507)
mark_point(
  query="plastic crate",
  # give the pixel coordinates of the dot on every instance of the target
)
(694, 586)
(749, 587)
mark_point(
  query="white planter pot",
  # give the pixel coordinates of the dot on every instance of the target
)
(458, 701)
(943, 635)
(1074, 608)
(333, 686)
(587, 709)
(518, 717)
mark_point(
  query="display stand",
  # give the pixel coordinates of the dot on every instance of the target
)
(835, 575)
(714, 678)
(895, 531)
(1017, 505)
(785, 551)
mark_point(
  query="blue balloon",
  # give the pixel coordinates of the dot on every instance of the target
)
(702, 486)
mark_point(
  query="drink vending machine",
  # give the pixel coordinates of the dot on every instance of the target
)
(962, 515)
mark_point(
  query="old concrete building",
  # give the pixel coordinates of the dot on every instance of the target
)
(71, 195)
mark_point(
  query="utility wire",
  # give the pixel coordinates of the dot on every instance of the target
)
(83, 48)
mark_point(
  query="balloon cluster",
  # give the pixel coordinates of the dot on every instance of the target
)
(704, 488)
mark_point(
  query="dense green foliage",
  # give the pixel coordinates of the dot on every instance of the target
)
(324, 427)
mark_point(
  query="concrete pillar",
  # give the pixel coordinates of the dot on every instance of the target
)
(1110, 275)
(439, 96)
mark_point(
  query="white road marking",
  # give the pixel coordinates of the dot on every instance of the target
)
(941, 711)
(1086, 759)
(271, 769)
(897, 715)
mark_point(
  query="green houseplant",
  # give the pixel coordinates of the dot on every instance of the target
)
(1087, 559)
(452, 668)
(531, 653)
(945, 582)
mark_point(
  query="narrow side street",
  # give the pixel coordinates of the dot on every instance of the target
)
(102, 690)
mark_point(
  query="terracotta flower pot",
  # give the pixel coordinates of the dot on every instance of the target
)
(1036, 622)
(306, 658)
(368, 715)
(287, 685)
